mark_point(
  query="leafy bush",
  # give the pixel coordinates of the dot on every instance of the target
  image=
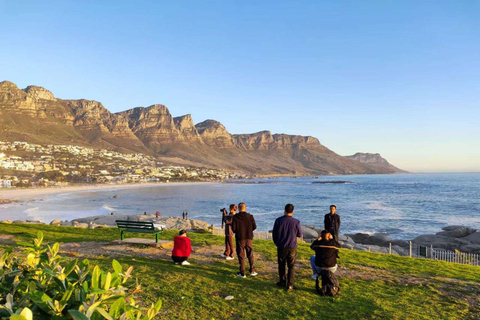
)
(43, 285)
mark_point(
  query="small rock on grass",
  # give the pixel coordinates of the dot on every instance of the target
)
(228, 297)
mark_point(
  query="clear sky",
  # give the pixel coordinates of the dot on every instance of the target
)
(401, 78)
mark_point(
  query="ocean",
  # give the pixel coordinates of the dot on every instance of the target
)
(401, 206)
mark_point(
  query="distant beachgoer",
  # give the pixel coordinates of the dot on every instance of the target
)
(157, 214)
(145, 213)
(286, 230)
(243, 225)
(186, 215)
(181, 248)
(111, 214)
(325, 257)
(332, 222)
(183, 215)
(227, 220)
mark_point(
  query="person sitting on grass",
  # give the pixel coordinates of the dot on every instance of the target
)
(325, 257)
(181, 248)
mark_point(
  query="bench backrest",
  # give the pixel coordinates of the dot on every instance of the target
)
(135, 225)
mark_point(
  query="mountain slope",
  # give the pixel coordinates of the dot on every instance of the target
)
(34, 115)
(376, 160)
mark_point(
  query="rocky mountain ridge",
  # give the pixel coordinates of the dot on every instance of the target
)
(34, 114)
(376, 160)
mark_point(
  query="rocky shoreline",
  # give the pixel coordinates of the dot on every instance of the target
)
(451, 238)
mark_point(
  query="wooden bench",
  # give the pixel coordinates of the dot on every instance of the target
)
(137, 226)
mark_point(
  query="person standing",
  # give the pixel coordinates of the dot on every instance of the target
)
(332, 222)
(183, 215)
(157, 214)
(286, 230)
(186, 215)
(227, 220)
(243, 225)
(181, 248)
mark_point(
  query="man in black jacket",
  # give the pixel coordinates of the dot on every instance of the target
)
(243, 225)
(332, 222)
(326, 249)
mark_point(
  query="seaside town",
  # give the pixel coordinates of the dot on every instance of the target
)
(32, 165)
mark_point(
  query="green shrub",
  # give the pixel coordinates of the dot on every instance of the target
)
(43, 285)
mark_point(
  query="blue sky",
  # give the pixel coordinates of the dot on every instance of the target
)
(396, 77)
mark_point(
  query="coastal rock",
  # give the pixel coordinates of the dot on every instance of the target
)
(470, 248)
(456, 231)
(18, 221)
(309, 233)
(56, 222)
(473, 237)
(6, 221)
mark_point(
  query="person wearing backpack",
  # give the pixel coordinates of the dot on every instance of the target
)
(324, 264)
(325, 258)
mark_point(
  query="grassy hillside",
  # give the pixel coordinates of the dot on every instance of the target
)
(373, 286)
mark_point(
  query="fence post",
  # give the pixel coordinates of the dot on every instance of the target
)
(410, 249)
(368, 248)
(431, 251)
(390, 248)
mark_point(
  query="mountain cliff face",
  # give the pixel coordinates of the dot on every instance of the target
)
(34, 114)
(376, 160)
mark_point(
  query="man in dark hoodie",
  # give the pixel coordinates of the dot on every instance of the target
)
(243, 225)
(325, 257)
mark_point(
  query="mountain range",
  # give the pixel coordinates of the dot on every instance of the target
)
(34, 115)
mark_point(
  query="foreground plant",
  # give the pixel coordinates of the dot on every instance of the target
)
(44, 285)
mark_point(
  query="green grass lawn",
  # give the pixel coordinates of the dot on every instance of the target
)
(373, 286)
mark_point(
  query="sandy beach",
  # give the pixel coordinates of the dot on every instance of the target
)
(36, 193)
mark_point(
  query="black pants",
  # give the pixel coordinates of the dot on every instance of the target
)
(228, 246)
(288, 257)
(179, 259)
(245, 247)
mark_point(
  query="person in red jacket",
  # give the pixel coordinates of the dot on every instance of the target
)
(181, 248)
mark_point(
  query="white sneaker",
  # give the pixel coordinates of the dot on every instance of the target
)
(239, 274)
(314, 277)
(223, 255)
(253, 274)
(229, 258)
(177, 262)
(185, 263)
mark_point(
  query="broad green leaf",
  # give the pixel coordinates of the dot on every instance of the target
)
(116, 266)
(77, 315)
(108, 280)
(27, 314)
(95, 277)
(158, 305)
(41, 300)
(104, 313)
(117, 308)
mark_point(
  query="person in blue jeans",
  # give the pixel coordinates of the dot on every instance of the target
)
(325, 258)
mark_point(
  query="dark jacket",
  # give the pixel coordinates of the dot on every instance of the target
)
(332, 223)
(243, 225)
(286, 230)
(325, 253)
(227, 220)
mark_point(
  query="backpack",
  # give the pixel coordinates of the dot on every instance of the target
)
(329, 284)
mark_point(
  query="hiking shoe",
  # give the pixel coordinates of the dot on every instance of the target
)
(253, 274)
(241, 275)
(185, 263)
(281, 284)
(229, 258)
